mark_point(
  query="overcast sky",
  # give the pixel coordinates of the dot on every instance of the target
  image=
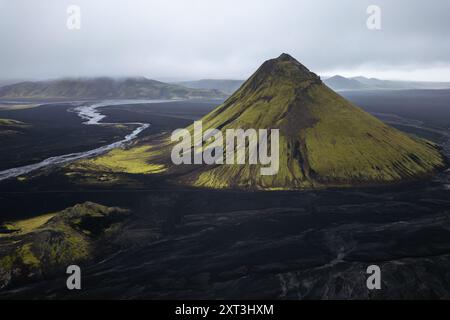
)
(191, 39)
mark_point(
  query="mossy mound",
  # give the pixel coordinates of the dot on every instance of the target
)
(11, 126)
(35, 247)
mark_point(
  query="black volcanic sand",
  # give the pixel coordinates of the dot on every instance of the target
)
(429, 106)
(162, 116)
(224, 244)
(195, 243)
(53, 131)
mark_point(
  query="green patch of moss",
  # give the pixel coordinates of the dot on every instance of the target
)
(11, 122)
(27, 257)
(21, 227)
(133, 160)
(7, 262)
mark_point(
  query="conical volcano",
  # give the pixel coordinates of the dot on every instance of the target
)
(324, 140)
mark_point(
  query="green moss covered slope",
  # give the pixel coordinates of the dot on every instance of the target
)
(324, 139)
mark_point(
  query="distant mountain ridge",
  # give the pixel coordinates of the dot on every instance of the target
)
(336, 82)
(225, 85)
(143, 88)
(341, 83)
(104, 88)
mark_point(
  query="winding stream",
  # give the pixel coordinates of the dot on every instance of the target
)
(92, 116)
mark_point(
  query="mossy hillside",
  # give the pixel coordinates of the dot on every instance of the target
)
(121, 167)
(40, 245)
(249, 177)
(347, 144)
(133, 160)
(324, 139)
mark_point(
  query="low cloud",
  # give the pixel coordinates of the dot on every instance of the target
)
(179, 39)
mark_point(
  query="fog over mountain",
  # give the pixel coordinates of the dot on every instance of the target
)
(201, 39)
(104, 88)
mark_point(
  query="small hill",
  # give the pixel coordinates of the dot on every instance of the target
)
(341, 83)
(34, 248)
(104, 88)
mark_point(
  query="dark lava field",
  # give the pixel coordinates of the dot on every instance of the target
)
(199, 243)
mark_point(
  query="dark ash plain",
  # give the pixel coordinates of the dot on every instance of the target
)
(197, 244)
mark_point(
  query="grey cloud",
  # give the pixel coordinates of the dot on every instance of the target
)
(187, 39)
